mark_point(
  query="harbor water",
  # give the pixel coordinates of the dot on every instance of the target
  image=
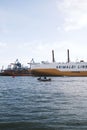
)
(28, 104)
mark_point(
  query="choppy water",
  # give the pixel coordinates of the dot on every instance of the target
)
(27, 104)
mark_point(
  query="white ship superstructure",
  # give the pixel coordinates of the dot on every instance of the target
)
(60, 69)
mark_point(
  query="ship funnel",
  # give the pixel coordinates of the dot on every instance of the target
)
(68, 58)
(53, 59)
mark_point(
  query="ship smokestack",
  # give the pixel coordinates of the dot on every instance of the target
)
(68, 58)
(53, 59)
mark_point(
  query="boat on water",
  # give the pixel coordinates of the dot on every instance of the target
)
(60, 69)
(16, 69)
(44, 79)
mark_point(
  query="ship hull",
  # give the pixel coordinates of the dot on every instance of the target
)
(16, 69)
(56, 73)
(16, 73)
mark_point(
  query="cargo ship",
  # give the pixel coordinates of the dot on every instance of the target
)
(53, 68)
(16, 69)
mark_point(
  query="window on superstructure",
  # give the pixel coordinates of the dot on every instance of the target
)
(59, 66)
(78, 66)
(56, 66)
(67, 66)
(73, 66)
(64, 66)
(83, 66)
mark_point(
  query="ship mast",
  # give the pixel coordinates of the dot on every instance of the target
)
(53, 59)
(68, 57)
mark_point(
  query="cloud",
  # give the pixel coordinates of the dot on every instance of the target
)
(3, 44)
(74, 14)
(43, 50)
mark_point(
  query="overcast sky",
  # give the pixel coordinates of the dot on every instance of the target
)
(32, 28)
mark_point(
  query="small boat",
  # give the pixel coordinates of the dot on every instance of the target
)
(44, 79)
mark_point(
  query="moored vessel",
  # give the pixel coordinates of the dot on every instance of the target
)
(16, 69)
(60, 69)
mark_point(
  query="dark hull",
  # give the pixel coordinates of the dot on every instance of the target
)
(44, 80)
(16, 73)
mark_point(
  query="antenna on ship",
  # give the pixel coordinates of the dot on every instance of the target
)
(53, 59)
(68, 58)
